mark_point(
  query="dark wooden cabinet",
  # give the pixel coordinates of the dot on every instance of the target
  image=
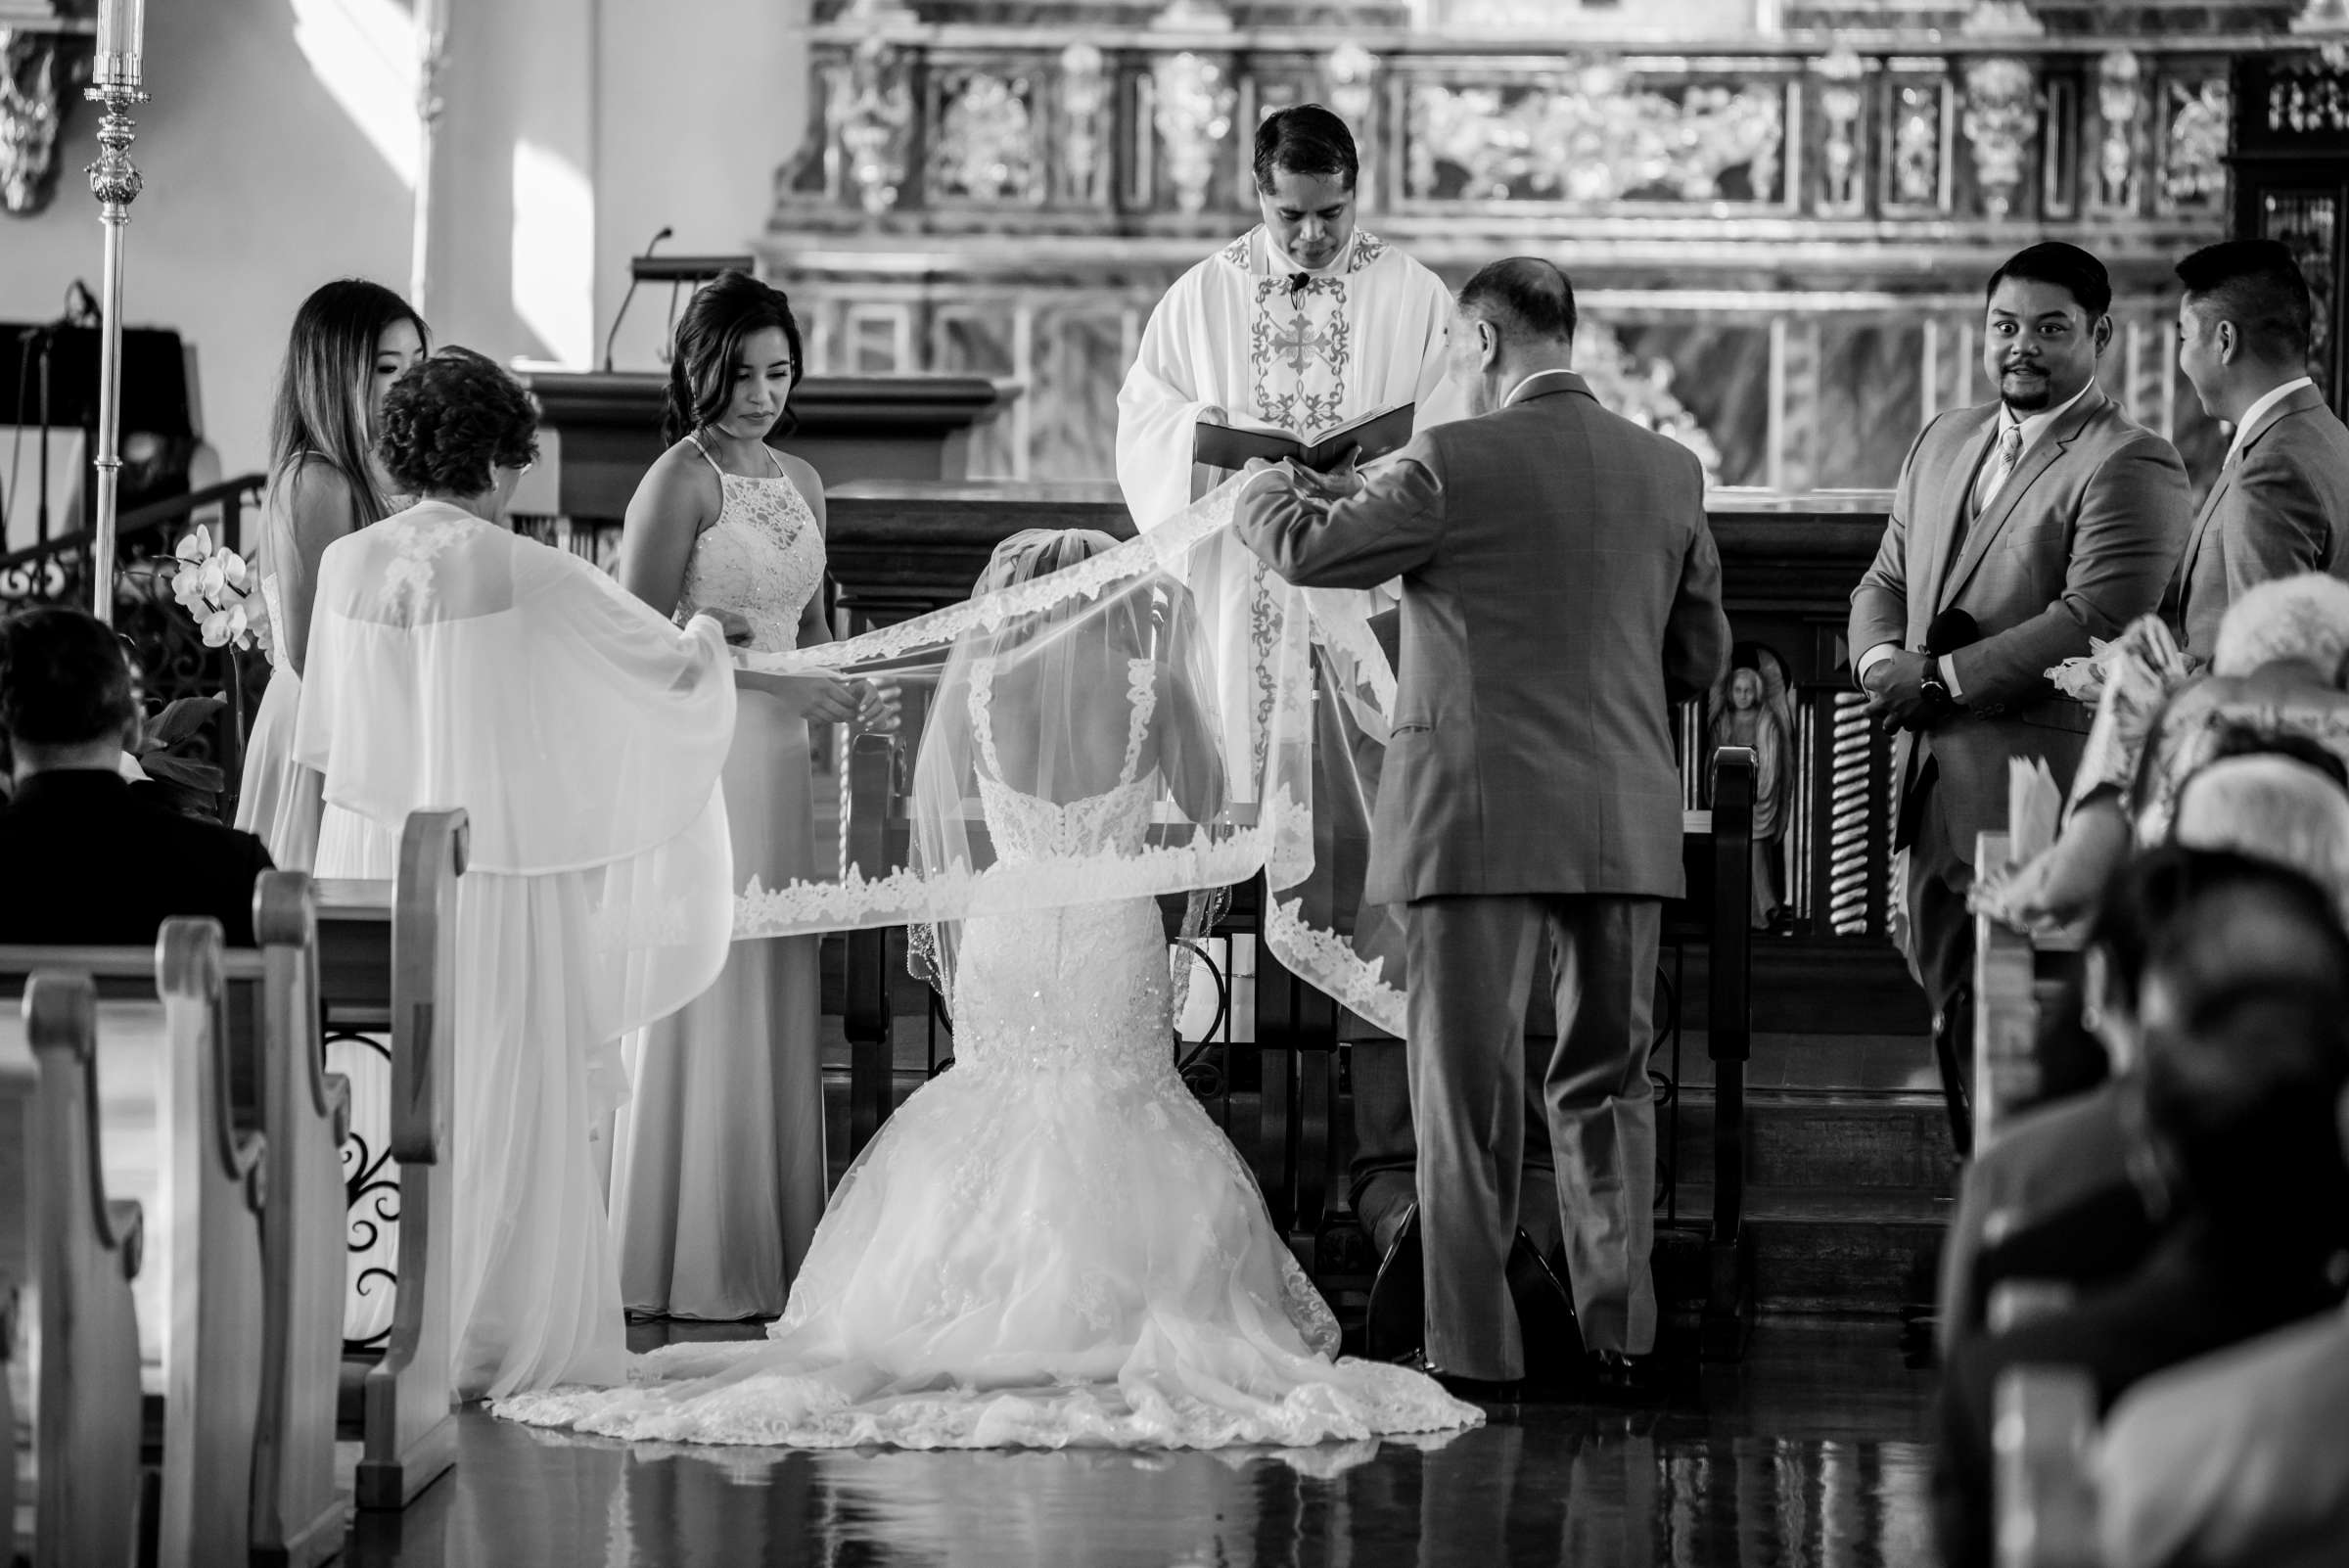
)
(2290, 164)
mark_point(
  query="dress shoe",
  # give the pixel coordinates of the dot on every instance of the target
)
(1615, 1375)
(1474, 1390)
(1394, 1323)
(1546, 1322)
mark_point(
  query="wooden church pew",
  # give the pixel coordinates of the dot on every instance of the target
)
(270, 1045)
(388, 961)
(297, 1518)
(68, 1254)
(214, 1179)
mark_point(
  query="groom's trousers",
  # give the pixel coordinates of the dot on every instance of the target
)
(1471, 963)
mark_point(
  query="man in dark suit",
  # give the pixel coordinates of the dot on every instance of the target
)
(1560, 587)
(2280, 503)
(2020, 528)
(89, 856)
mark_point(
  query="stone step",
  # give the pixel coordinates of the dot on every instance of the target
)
(1822, 1252)
(1855, 1141)
(1847, 1190)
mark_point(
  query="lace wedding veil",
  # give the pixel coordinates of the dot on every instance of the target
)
(1070, 750)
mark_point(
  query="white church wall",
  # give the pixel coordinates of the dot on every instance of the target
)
(279, 152)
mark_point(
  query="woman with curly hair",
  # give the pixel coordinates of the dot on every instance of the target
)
(454, 664)
(351, 339)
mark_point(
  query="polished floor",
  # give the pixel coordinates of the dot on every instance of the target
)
(1812, 1453)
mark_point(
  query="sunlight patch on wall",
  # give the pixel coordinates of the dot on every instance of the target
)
(554, 254)
(363, 53)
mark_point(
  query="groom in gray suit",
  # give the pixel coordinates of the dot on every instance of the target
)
(1560, 587)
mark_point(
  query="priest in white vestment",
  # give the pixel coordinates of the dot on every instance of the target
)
(1302, 324)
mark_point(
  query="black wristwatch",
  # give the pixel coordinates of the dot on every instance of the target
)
(1930, 686)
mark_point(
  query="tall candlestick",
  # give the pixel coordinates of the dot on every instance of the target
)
(121, 26)
(115, 182)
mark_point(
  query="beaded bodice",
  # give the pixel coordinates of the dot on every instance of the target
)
(1082, 989)
(763, 559)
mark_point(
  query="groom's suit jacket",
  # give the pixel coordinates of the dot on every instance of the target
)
(2280, 506)
(2076, 544)
(1560, 586)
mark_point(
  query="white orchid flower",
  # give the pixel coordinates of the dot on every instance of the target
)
(226, 626)
(187, 587)
(197, 547)
(233, 569)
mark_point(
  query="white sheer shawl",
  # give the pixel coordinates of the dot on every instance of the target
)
(454, 664)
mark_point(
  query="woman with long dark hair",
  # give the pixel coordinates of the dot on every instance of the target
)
(351, 340)
(719, 1176)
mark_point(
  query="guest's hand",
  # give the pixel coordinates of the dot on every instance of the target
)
(878, 712)
(819, 696)
(731, 623)
(1895, 692)
(2058, 887)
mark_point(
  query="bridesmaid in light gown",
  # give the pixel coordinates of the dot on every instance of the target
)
(351, 340)
(718, 1170)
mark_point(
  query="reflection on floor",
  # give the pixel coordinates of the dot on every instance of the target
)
(1812, 1452)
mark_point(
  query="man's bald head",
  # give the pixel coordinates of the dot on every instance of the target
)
(1528, 300)
(1516, 319)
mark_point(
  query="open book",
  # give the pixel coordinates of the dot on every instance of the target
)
(1378, 433)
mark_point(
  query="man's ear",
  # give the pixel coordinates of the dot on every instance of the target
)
(2101, 332)
(2226, 339)
(1488, 343)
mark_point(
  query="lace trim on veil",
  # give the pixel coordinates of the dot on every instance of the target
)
(1279, 841)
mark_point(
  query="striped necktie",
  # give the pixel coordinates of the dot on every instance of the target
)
(2001, 467)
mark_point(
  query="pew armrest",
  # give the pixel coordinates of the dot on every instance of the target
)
(2014, 1303)
(2042, 1441)
(424, 962)
(2005, 1011)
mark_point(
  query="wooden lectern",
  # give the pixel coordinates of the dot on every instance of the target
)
(607, 430)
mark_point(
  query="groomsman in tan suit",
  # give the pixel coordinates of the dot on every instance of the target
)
(2280, 503)
(1560, 587)
(2020, 528)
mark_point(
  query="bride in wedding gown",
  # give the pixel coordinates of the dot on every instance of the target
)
(1050, 1244)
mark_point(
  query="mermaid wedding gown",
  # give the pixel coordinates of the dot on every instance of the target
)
(1049, 1245)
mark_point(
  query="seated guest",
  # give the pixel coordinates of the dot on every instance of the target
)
(2280, 668)
(2054, 1155)
(2286, 819)
(93, 857)
(2241, 1012)
(2067, 1192)
(2234, 1460)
